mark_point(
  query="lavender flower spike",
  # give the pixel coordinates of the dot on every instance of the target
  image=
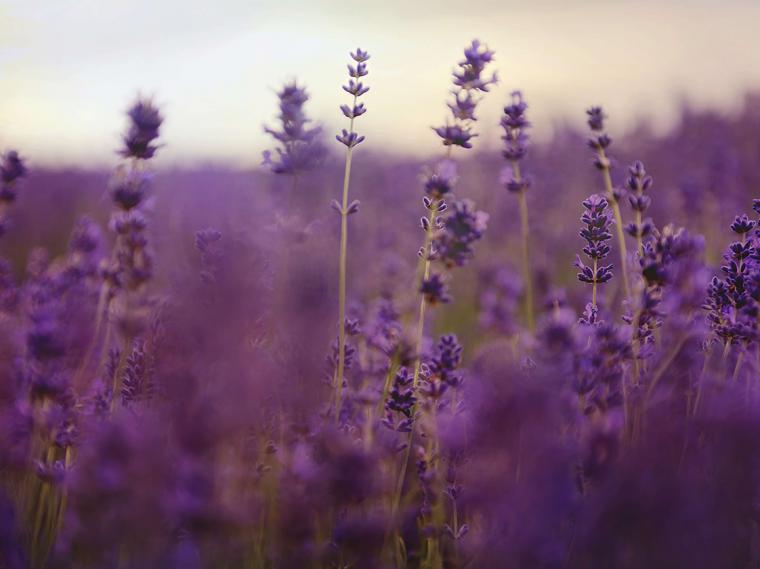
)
(515, 138)
(468, 80)
(145, 123)
(596, 233)
(12, 169)
(301, 148)
(350, 140)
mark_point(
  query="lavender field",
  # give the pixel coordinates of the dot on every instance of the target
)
(538, 355)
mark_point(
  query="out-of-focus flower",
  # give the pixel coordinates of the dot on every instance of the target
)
(145, 124)
(301, 147)
(468, 80)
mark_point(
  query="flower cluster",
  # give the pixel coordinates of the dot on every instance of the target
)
(204, 435)
(638, 183)
(461, 228)
(400, 403)
(133, 262)
(356, 88)
(301, 148)
(515, 138)
(468, 80)
(145, 123)
(733, 302)
(596, 233)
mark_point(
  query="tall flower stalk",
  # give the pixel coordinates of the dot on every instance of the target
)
(464, 226)
(349, 139)
(515, 138)
(131, 264)
(599, 142)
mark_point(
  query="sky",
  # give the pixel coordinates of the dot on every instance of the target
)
(69, 68)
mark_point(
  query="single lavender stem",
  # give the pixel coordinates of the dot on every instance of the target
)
(349, 139)
(525, 230)
(342, 275)
(618, 220)
(593, 286)
(515, 125)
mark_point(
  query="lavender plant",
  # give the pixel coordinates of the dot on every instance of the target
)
(469, 81)
(515, 140)
(600, 141)
(596, 233)
(349, 139)
(203, 437)
(301, 148)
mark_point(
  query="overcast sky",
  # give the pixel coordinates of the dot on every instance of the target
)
(69, 68)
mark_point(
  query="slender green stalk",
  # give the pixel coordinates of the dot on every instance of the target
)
(737, 367)
(605, 163)
(342, 276)
(525, 235)
(593, 286)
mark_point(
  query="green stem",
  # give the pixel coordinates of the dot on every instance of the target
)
(525, 234)
(618, 220)
(342, 277)
(737, 367)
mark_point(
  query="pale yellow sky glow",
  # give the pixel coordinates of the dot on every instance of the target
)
(68, 68)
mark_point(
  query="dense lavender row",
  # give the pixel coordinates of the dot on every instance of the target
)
(220, 372)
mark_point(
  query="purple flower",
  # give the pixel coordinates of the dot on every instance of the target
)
(356, 88)
(596, 118)
(360, 56)
(401, 400)
(440, 182)
(637, 183)
(349, 139)
(128, 189)
(446, 360)
(435, 290)
(455, 135)
(468, 80)
(597, 219)
(301, 148)
(463, 106)
(471, 68)
(145, 123)
(462, 227)
(742, 224)
(515, 126)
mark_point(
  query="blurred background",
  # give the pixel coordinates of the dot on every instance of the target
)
(68, 69)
